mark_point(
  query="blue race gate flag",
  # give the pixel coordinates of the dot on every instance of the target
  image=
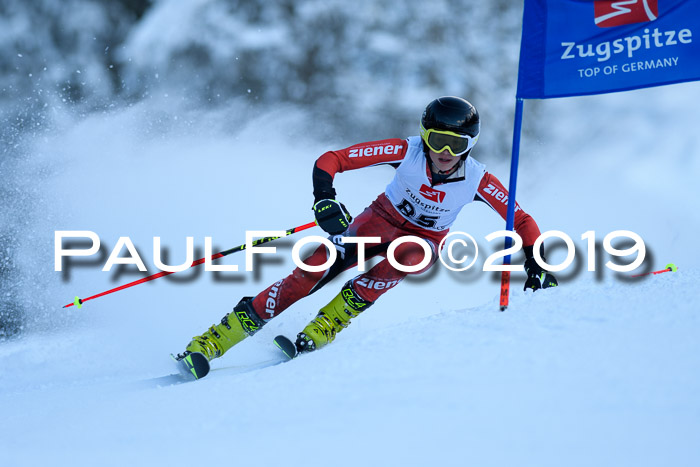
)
(577, 47)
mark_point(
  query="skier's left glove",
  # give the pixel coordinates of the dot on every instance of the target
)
(538, 278)
(332, 216)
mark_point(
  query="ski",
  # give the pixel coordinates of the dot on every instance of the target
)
(192, 364)
(286, 346)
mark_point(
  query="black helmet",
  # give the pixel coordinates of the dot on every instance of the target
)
(452, 114)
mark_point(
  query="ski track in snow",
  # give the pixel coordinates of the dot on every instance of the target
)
(595, 372)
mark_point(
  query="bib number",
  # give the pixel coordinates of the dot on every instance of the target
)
(409, 211)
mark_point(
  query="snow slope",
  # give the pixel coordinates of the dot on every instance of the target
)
(593, 375)
(601, 371)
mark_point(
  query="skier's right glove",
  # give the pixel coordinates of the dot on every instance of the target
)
(538, 278)
(332, 216)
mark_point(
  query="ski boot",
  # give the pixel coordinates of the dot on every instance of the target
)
(234, 327)
(331, 319)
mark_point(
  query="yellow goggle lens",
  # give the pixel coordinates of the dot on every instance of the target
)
(439, 140)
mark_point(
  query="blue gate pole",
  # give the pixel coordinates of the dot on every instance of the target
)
(510, 216)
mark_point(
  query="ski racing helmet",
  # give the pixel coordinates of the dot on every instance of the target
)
(450, 123)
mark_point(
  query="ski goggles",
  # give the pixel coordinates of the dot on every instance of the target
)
(439, 140)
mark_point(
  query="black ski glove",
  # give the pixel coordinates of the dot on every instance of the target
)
(332, 216)
(538, 278)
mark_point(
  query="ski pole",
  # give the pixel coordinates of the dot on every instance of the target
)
(79, 302)
(669, 267)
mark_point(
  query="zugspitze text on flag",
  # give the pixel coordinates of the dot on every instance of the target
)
(575, 47)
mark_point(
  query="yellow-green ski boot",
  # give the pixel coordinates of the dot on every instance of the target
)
(331, 319)
(242, 322)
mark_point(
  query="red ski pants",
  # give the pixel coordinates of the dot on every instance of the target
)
(380, 219)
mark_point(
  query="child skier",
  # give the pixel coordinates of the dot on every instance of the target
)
(435, 178)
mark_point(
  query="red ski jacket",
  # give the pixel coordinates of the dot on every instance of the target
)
(392, 152)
